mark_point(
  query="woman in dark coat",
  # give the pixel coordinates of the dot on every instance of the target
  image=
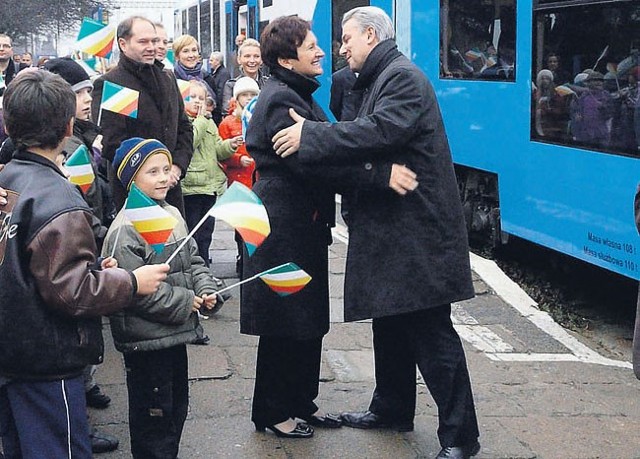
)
(301, 212)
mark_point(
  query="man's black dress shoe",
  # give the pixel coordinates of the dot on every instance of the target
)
(328, 421)
(459, 452)
(96, 398)
(302, 430)
(102, 442)
(369, 420)
(202, 340)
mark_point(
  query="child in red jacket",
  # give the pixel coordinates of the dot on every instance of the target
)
(240, 166)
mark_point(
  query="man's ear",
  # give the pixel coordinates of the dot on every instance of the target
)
(69, 130)
(286, 63)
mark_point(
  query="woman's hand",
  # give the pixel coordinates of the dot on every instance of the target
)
(246, 161)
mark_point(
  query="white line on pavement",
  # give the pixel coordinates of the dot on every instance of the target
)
(485, 340)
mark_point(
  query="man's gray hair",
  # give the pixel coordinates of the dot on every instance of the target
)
(374, 17)
(217, 55)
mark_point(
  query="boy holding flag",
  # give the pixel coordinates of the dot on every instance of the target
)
(153, 338)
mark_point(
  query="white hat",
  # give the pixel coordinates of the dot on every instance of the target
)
(245, 84)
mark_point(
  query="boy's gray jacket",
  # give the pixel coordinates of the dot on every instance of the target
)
(164, 319)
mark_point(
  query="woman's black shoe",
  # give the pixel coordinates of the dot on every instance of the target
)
(328, 421)
(302, 430)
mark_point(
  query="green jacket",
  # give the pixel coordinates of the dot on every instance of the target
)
(205, 175)
(164, 319)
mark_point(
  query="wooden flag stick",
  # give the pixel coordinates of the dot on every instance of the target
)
(115, 243)
(186, 239)
(251, 278)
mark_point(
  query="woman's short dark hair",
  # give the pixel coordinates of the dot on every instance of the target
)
(282, 38)
(37, 107)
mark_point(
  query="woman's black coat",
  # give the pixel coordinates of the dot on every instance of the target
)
(301, 207)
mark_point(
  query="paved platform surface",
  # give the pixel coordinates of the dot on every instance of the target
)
(540, 392)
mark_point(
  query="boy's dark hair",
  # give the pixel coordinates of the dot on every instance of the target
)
(282, 38)
(37, 108)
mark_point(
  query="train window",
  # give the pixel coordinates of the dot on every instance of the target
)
(338, 8)
(193, 21)
(477, 39)
(205, 29)
(585, 73)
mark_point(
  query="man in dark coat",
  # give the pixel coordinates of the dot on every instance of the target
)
(7, 66)
(161, 113)
(216, 80)
(344, 102)
(408, 255)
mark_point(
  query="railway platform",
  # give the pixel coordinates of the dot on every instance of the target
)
(540, 391)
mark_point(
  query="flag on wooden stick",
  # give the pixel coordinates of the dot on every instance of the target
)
(242, 208)
(154, 224)
(96, 38)
(80, 169)
(119, 99)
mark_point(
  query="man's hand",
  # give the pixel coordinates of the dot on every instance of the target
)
(3, 192)
(402, 179)
(149, 277)
(175, 175)
(287, 141)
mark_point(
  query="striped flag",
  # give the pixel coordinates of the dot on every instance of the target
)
(285, 279)
(119, 99)
(96, 38)
(80, 170)
(242, 209)
(183, 85)
(564, 90)
(473, 54)
(154, 224)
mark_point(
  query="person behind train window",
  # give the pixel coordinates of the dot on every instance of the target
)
(560, 75)
(623, 130)
(551, 113)
(250, 60)
(591, 113)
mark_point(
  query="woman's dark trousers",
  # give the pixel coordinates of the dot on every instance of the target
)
(287, 379)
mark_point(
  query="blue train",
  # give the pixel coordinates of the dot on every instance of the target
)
(541, 104)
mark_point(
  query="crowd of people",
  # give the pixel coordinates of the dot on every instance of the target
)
(74, 257)
(590, 109)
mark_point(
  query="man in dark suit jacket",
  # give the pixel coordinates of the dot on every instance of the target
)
(161, 113)
(216, 79)
(344, 102)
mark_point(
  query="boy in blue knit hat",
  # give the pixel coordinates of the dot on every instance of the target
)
(153, 339)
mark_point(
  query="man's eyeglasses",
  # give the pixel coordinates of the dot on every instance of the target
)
(5, 46)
